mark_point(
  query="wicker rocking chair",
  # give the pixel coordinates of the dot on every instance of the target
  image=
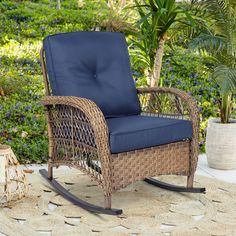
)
(101, 124)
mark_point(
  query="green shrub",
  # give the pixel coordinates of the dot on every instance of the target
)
(23, 123)
(28, 19)
(20, 110)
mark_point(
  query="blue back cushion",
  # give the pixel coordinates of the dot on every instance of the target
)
(93, 65)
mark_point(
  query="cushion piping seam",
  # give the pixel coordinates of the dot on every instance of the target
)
(158, 145)
(138, 131)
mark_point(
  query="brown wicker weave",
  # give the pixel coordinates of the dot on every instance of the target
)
(15, 185)
(78, 133)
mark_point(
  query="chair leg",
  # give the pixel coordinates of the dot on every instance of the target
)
(190, 181)
(107, 202)
(77, 201)
(50, 171)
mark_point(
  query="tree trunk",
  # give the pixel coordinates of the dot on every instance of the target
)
(226, 107)
(156, 72)
(158, 62)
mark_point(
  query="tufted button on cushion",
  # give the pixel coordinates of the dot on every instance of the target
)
(93, 65)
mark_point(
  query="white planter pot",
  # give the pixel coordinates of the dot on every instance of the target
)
(221, 144)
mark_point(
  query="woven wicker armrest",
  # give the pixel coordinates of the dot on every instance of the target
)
(86, 106)
(172, 102)
(179, 95)
(79, 125)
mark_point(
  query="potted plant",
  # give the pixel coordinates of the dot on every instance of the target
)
(220, 43)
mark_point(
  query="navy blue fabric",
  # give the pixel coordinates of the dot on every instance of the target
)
(93, 65)
(137, 132)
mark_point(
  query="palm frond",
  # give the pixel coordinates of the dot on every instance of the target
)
(225, 77)
(209, 42)
(223, 15)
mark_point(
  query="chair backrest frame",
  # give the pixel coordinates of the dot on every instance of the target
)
(44, 71)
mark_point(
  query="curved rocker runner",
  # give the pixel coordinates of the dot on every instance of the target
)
(75, 200)
(96, 115)
(172, 187)
(97, 209)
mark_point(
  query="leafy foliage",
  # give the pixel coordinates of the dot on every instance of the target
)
(155, 18)
(36, 20)
(220, 42)
(160, 22)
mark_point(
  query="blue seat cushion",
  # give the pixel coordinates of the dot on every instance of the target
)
(93, 65)
(137, 132)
